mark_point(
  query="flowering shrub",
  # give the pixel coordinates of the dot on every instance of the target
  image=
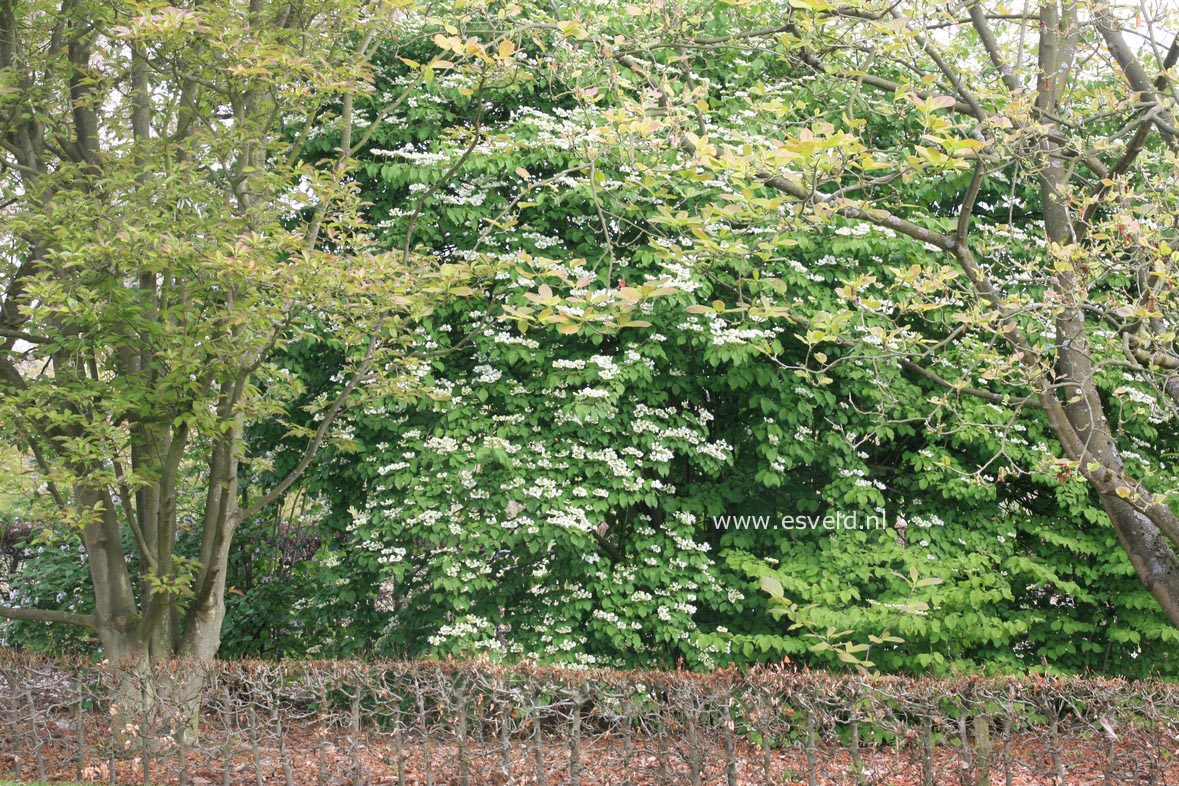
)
(659, 352)
(537, 510)
(554, 498)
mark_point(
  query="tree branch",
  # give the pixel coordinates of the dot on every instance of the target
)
(961, 107)
(48, 615)
(21, 335)
(987, 395)
(962, 232)
(1134, 72)
(1136, 144)
(982, 26)
(974, 107)
(320, 435)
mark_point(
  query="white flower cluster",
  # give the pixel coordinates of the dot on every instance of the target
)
(466, 628)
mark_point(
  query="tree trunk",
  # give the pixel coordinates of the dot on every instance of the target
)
(1151, 553)
(1147, 530)
(155, 706)
(158, 671)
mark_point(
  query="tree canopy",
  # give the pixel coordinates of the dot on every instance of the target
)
(1026, 170)
(556, 292)
(165, 241)
(492, 518)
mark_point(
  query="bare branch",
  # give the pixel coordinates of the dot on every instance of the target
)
(960, 106)
(967, 209)
(21, 335)
(953, 77)
(1136, 144)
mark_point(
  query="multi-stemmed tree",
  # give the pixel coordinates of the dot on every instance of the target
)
(164, 241)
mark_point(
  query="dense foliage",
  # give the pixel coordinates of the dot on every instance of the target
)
(676, 356)
(560, 494)
(164, 241)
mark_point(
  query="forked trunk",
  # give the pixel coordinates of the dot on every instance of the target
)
(155, 691)
(155, 706)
